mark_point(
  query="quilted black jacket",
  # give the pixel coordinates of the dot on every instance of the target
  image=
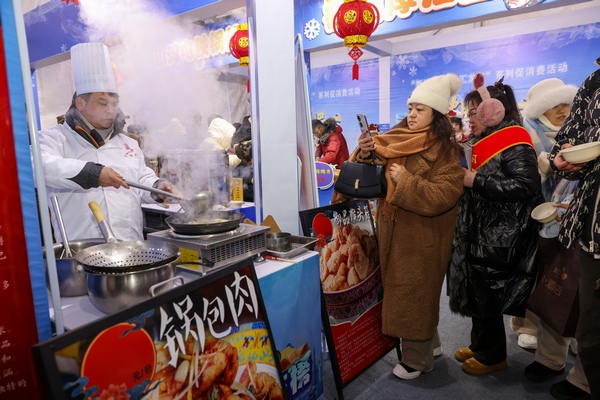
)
(494, 258)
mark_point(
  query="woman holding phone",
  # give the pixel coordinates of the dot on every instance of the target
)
(415, 221)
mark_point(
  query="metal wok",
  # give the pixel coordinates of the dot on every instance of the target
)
(206, 224)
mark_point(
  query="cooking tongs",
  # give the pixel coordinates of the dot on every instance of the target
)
(200, 202)
(155, 190)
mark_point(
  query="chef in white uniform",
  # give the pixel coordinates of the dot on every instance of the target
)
(87, 158)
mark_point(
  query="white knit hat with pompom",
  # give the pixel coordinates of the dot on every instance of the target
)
(436, 92)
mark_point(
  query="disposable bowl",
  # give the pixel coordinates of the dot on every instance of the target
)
(582, 153)
(545, 212)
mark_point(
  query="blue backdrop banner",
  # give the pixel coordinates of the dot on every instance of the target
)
(333, 91)
(567, 54)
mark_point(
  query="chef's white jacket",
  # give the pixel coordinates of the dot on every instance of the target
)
(65, 153)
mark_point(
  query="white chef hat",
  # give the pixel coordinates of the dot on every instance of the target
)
(92, 68)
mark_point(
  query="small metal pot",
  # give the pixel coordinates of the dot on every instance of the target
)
(115, 292)
(71, 281)
(279, 241)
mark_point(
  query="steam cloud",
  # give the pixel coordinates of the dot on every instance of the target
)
(153, 94)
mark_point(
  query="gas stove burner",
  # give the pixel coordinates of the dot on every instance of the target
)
(206, 237)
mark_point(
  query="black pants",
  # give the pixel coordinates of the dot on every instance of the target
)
(588, 328)
(488, 340)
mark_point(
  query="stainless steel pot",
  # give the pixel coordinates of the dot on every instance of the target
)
(115, 292)
(120, 274)
(71, 281)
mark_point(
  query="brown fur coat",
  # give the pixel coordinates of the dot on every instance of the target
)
(415, 251)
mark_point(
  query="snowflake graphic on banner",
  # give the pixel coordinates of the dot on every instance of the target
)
(312, 29)
(402, 62)
(413, 71)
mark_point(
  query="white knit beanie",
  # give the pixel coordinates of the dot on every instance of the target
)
(546, 95)
(436, 92)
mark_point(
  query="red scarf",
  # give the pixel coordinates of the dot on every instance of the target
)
(494, 144)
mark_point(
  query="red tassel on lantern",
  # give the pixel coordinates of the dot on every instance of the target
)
(354, 22)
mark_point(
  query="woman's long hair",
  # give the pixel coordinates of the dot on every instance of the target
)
(440, 129)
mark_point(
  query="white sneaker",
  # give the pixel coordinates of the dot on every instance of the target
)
(527, 341)
(437, 351)
(402, 373)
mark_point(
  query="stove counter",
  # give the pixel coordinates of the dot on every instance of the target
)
(79, 311)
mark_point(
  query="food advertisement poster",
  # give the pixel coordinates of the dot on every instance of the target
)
(351, 285)
(207, 339)
(291, 296)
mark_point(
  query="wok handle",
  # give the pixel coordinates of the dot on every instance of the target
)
(97, 211)
(153, 288)
(104, 227)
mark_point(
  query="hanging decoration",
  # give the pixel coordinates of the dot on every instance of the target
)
(238, 47)
(238, 44)
(354, 22)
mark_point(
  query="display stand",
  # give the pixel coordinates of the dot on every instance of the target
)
(290, 290)
(218, 319)
(352, 291)
(291, 294)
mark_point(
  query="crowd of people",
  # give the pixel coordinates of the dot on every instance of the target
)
(472, 224)
(469, 224)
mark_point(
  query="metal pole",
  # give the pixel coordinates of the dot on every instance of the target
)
(40, 182)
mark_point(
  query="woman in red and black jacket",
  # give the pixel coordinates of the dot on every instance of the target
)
(331, 144)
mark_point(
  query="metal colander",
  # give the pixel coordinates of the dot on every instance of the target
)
(126, 256)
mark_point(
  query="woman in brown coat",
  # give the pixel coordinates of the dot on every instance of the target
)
(415, 222)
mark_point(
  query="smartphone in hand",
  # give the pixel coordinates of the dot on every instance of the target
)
(362, 122)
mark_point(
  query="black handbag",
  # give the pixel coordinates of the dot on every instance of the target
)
(361, 180)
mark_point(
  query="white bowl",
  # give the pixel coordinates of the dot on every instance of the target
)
(545, 212)
(582, 153)
(234, 205)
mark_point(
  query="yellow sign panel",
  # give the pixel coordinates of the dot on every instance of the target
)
(238, 189)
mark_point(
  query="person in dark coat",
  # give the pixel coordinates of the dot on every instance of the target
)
(581, 225)
(494, 258)
(241, 142)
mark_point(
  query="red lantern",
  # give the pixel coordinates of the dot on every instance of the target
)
(238, 44)
(354, 22)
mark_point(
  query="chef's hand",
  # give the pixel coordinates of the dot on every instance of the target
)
(564, 165)
(366, 144)
(469, 177)
(167, 187)
(396, 171)
(110, 177)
